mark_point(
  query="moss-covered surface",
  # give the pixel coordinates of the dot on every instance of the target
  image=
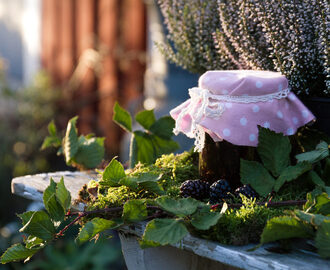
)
(235, 227)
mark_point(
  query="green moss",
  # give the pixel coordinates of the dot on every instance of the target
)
(241, 226)
(174, 169)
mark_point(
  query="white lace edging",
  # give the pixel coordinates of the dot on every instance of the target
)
(204, 104)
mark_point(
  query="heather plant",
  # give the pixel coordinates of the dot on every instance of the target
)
(286, 36)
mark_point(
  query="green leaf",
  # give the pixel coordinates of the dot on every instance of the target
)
(52, 128)
(285, 227)
(17, 252)
(33, 241)
(322, 239)
(326, 171)
(133, 181)
(163, 127)
(146, 177)
(63, 195)
(145, 151)
(321, 151)
(70, 146)
(313, 176)
(135, 210)
(163, 146)
(179, 207)
(274, 150)
(145, 118)
(204, 219)
(39, 225)
(148, 244)
(122, 117)
(314, 219)
(322, 204)
(257, 176)
(291, 173)
(51, 142)
(90, 153)
(152, 187)
(95, 226)
(25, 217)
(53, 207)
(113, 173)
(165, 231)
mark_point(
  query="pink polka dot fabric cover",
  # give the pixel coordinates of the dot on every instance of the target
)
(238, 122)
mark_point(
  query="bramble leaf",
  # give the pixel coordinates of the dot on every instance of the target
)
(165, 231)
(145, 151)
(321, 151)
(122, 117)
(274, 150)
(113, 173)
(135, 210)
(70, 145)
(152, 187)
(146, 118)
(52, 205)
(322, 204)
(313, 176)
(25, 217)
(179, 207)
(17, 252)
(33, 241)
(93, 227)
(314, 219)
(322, 239)
(291, 173)
(39, 225)
(163, 127)
(163, 146)
(204, 219)
(63, 195)
(285, 227)
(257, 176)
(90, 152)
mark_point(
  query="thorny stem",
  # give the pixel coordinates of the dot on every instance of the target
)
(269, 204)
(102, 211)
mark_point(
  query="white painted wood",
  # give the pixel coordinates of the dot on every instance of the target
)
(210, 255)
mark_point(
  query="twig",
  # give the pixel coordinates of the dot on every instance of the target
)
(102, 211)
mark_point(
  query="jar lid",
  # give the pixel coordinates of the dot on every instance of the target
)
(229, 105)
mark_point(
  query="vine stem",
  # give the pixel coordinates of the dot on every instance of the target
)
(82, 214)
(267, 204)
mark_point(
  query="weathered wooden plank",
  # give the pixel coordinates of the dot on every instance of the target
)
(32, 187)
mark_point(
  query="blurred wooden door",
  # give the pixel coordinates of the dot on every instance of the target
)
(94, 51)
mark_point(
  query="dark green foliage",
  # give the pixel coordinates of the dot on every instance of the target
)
(146, 146)
(275, 169)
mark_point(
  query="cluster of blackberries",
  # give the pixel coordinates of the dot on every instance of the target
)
(217, 192)
(196, 189)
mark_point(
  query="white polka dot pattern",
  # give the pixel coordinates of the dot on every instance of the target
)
(243, 121)
(226, 132)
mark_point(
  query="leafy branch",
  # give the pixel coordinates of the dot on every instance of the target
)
(84, 152)
(312, 223)
(43, 227)
(275, 170)
(146, 146)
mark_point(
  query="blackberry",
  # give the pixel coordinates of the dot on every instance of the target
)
(247, 191)
(219, 191)
(196, 189)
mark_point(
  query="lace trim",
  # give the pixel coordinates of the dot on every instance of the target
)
(204, 104)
